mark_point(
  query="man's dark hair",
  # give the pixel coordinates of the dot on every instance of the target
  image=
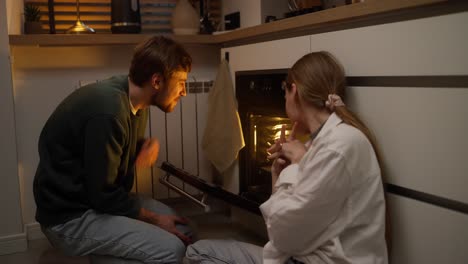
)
(159, 55)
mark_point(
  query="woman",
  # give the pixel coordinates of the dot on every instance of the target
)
(328, 202)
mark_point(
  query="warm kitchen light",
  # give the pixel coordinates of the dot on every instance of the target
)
(79, 27)
(277, 128)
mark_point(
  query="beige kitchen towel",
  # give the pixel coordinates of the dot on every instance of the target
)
(223, 136)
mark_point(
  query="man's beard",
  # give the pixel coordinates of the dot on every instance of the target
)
(166, 108)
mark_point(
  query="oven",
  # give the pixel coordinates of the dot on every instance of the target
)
(260, 97)
(261, 108)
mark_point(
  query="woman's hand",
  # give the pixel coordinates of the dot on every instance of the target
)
(290, 150)
(278, 165)
(275, 152)
(166, 222)
(148, 153)
(293, 150)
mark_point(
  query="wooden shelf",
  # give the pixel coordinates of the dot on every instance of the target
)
(370, 11)
(98, 39)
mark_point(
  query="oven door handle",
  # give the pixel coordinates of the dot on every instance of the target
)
(165, 180)
(206, 188)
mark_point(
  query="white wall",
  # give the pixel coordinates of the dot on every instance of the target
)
(43, 76)
(12, 238)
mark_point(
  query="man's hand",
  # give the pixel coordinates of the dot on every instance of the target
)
(166, 222)
(148, 153)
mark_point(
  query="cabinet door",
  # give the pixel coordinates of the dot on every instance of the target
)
(427, 46)
(422, 135)
(158, 130)
(144, 180)
(189, 119)
(205, 168)
(423, 233)
(411, 97)
(277, 54)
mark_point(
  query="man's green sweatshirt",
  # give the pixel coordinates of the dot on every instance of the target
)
(87, 152)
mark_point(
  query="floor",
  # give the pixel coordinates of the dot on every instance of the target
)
(216, 224)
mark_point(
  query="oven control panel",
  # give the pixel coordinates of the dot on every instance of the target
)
(260, 87)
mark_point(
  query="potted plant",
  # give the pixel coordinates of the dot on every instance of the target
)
(32, 19)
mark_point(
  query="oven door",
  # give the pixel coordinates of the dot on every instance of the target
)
(263, 129)
(206, 188)
(260, 97)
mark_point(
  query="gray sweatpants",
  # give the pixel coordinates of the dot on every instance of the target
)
(124, 238)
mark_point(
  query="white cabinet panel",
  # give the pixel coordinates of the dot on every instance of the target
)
(158, 130)
(180, 133)
(278, 54)
(143, 179)
(423, 233)
(174, 144)
(205, 167)
(422, 135)
(428, 46)
(189, 138)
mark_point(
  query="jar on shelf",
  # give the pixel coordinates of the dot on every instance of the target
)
(185, 19)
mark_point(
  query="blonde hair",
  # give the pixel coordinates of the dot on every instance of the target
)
(319, 74)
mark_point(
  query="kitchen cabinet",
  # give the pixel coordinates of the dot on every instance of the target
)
(410, 114)
(408, 83)
(277, 54)
(425, 46)
(423, 233)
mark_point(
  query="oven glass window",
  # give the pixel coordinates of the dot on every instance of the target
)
(264, 130)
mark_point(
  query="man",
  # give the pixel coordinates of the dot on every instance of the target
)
(88, 150)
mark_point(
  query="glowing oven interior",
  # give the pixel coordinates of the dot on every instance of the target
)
(264, 131)
(260, 97)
